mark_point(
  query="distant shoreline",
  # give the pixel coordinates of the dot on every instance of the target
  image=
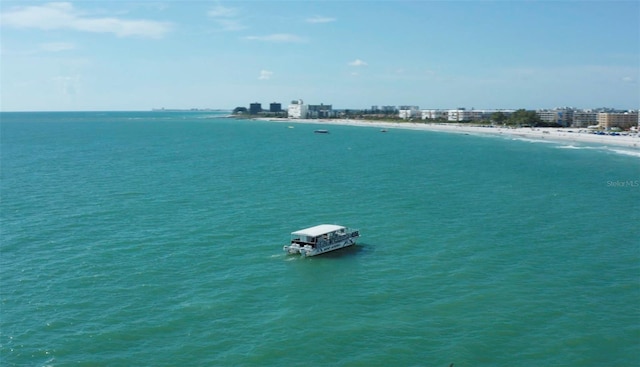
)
(187, 110)
(576, 135)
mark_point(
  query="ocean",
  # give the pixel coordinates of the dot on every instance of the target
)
(155, 239)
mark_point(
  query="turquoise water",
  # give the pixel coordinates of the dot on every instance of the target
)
(154, 238)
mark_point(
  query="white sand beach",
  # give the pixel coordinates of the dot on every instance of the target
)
(575, 135)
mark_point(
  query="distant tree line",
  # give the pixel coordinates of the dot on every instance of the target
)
(521, 117)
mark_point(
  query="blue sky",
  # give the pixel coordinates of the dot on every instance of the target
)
(138, 55)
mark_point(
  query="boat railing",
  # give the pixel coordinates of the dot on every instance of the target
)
(341, 237)
(337, 238)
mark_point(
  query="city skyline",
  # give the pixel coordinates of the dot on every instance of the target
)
(138, 55)
(397, 107)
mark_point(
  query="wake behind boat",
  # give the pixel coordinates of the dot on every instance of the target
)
(320, 239)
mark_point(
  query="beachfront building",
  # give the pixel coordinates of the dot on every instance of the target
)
(275, 107)
(320, 111)
(479, 115)
(434, 114)
(384, 111)
(459, 114)
(584, 118)
(388, 109)
(560, 116)
(255, 108)
(622, 120)
(407, 112)
(298, 110)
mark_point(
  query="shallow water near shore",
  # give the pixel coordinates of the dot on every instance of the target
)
(155, 238)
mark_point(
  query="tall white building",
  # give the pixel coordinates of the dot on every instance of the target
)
(434, 114)
(298, 110)
(459, 115)
(406, 112)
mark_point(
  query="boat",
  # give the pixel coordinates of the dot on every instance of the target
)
(320, 239)
(383, 130)
(321, 131)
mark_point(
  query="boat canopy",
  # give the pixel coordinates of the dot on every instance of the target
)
(317, 230)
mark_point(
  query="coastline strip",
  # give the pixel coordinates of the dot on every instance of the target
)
(575, 135)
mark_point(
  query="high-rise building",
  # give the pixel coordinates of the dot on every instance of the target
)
(584, 118)
(320, 111)
(255, 108)
(298, 110)
(560, 116)
(388, 109)
(275, 107)
(623, 120)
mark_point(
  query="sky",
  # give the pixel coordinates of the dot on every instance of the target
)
(139, 55)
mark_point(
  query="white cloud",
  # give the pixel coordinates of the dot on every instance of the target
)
(226, 18)
(277, 37)
(57, 46)
(63, 15)
(265, 74)
(320, 19)
(627, 79)
(222, 12)
(230, 25)
(357, 62)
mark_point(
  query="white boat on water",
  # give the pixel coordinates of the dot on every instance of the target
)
(320, 239)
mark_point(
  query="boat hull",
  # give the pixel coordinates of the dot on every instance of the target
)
(313, 251)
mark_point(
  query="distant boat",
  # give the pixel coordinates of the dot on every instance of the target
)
(290, 127)
(383, 130)
(321, 131)
(320, 239)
